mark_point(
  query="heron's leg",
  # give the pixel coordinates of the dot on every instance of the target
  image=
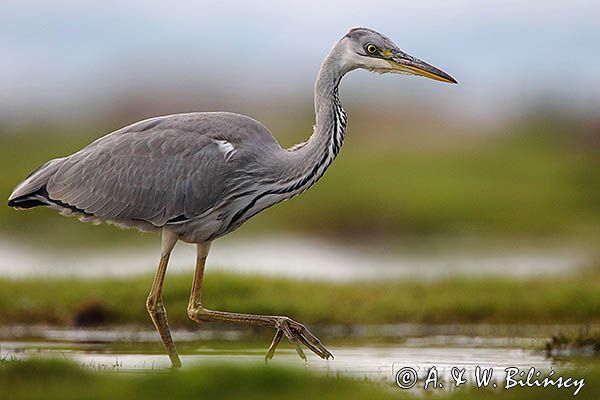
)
(154, 303)
(294, 331)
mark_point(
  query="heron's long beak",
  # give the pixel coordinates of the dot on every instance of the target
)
(405, 64)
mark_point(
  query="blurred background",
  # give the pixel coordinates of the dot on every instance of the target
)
(510, 152)
(498, 176)
(508, 157)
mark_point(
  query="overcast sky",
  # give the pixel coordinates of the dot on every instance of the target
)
(60, 53)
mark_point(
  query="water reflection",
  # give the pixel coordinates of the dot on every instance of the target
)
(297, 257)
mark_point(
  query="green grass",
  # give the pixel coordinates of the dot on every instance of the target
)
(534, 179)
(59, 380)
(48, 380)
(573, 299)
(585, 341)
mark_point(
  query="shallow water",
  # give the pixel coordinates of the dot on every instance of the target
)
(96, 349)
(372, 362)
(297, 257)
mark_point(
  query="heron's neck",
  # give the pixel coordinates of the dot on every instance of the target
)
(309, 160)
(294, 170)
(330, 126)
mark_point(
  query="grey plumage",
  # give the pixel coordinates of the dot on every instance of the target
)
(158, 170)
(198, 176)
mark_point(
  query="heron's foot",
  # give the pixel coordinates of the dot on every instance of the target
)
(297, 334)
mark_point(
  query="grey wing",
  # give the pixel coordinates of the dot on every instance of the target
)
(132, 181)
(157, 170)
(152, 177)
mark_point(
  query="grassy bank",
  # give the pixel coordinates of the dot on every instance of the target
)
(49, 380)
(573, 299)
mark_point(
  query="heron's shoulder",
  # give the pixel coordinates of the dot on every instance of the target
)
(225, 125)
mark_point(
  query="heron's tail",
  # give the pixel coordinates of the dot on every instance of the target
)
(32, 191)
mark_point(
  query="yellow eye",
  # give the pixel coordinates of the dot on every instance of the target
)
(371, 48)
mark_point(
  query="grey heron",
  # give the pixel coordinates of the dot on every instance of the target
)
(196, 177)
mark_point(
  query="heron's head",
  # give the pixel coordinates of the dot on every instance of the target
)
(364, 48)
